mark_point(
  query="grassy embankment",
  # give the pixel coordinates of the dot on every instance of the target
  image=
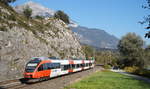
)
(109, 80)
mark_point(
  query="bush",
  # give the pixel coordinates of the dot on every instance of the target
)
(63, 16)
(143, 72)
(39, 17)
(27, 12)
(138, 71)
(3, 28)
(107, 66)
(133, 69)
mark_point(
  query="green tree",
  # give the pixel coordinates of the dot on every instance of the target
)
(63, 16)
(27, 12)
(88, 50)
(130, 47)
(147, 56)
(7, 1)
(147, 19)
(39, 17)
(106, 58)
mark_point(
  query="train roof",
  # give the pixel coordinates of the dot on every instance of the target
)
(52, 58)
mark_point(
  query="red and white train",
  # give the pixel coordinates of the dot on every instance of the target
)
(48, 67)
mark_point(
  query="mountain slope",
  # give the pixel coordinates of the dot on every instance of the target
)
(95, 37)
(22, 38)
(98, 38)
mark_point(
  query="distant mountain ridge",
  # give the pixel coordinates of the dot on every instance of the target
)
(95, 37)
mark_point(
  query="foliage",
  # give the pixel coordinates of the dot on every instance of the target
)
(27, 12)
(109, 80)
(63, 16)
(106, 58)
(88, 50)
(147, 56)
(143, 72)
(131, 69)
(107, 66)
(7, 1)
(130, 47)
(101, 57)
(39, 17)
(147, 18)
(138, 71)
(3, 28)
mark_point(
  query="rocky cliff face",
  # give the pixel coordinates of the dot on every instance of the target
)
(21, 39)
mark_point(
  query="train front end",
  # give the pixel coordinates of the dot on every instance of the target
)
(30, 69)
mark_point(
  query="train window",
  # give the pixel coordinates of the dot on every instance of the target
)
(90, 64)
(45, 66)
(78, 65)
(40, 68)
(73, 66)
(70, 66)
(53, 65)
(83, 65)
(57, 65)
(36, 60)
(30, 67)
(66, 67)
(86, 64)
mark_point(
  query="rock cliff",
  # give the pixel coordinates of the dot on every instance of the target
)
(22, 38)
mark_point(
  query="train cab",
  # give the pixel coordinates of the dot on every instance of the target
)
(42, 68)
(31, 67)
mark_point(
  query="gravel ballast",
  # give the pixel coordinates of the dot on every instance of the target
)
(62, 81)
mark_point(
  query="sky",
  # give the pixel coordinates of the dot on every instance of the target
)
(117, 17)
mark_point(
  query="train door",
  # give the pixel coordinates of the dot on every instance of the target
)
(43, 71)
(55, 69)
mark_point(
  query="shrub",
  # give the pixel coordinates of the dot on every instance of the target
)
(131, 69)
(3, 28)
(143, 72)
(107, 66)
(12, 17)
(138, 71)
(63, 16)
(39, 17)
(27, 12)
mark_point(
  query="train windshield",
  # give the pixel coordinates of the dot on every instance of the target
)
(30, 67)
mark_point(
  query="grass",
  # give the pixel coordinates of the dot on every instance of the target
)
(109, 80)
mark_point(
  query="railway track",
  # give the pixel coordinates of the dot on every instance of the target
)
(11, 84)
(20, 83)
